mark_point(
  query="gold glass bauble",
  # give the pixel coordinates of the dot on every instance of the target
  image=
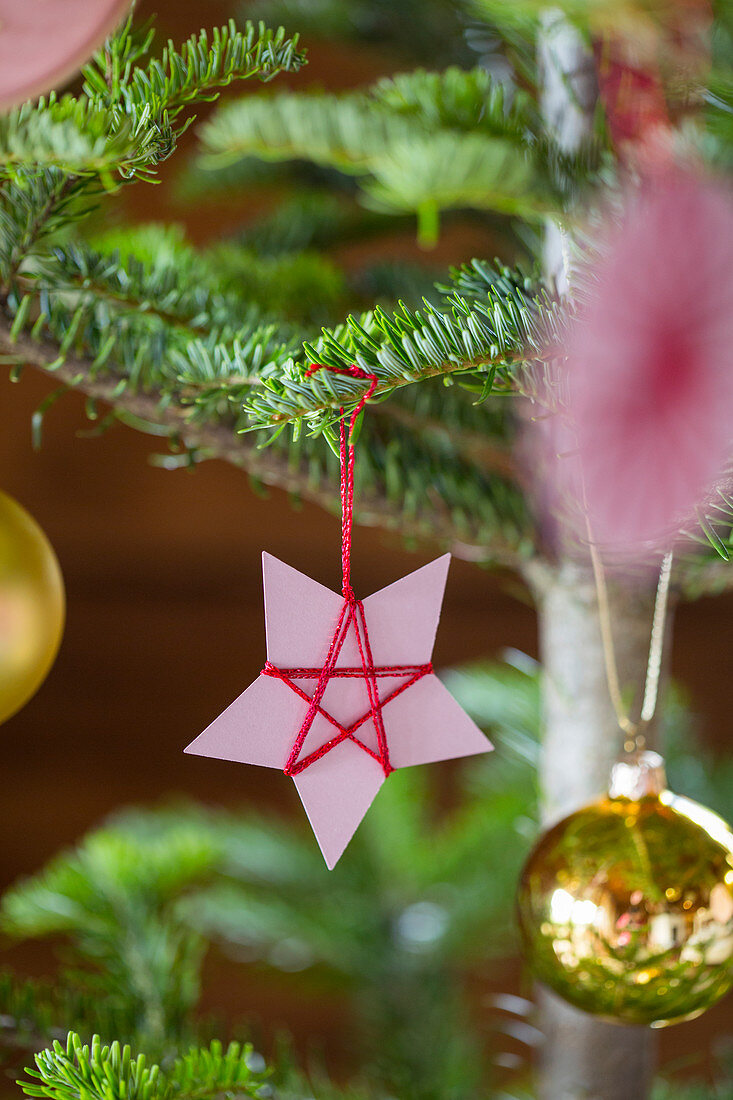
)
(626, 907)
(31, 606)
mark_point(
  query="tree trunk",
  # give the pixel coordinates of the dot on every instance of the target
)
(583, 1058)
(568, 94)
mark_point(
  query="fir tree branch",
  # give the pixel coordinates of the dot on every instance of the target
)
(117, 898)
(465, 100)
(353, 131)
(479, 448)
(96, 1072)
(207, 349)
(472, 530)
(337, 132)
(179, 288)
(27, 213)
(205, 63)
(34, 1012)
(423, 142)
(125, 124)
(487, 337)
(453, 484)
(69, 134)
(151, 99)
(434, 471)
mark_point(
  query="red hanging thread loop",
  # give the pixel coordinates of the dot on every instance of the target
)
(347, 464)
(351, 617)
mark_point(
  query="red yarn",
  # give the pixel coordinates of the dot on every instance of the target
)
(352, 614)
(347, 463)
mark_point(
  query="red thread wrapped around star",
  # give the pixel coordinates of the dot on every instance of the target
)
(337, 754)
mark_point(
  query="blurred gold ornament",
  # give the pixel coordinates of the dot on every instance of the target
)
(626, 907)
(31, 606)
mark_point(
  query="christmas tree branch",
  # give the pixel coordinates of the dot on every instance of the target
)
(196, 330)
(26, 212)
(97, 1072)
(353, 131)
(486, 338)
(475, 446)
(434, 468)
(34, 1012)
(123, 126)
(463, 530)
(197, 71)
(428, 143)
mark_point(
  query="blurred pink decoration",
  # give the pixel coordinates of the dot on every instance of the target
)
(44, 42)
(650, 365)
(423, 722)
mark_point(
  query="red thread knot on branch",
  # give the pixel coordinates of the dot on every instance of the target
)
(346, 451)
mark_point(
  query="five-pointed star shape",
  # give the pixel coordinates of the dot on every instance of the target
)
(422, 723)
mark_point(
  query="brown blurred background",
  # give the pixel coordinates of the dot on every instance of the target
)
(165, 625)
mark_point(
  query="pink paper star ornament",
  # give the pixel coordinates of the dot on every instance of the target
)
(347, 695)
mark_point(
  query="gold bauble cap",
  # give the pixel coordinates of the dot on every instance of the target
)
(639, 775)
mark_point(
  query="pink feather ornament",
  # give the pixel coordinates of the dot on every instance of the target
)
(650, 364)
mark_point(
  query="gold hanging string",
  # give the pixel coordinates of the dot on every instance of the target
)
(633, 730)
(656, 643)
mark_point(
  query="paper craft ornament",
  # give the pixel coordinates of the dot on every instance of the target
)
(348, 692)
(44, 42)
